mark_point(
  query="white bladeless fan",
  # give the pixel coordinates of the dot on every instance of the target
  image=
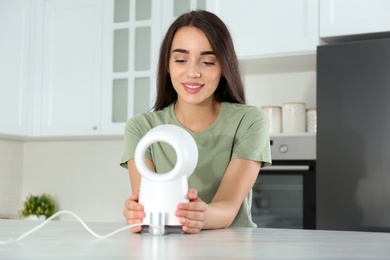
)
(160, 193)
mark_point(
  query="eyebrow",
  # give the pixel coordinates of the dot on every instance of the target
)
(187, 52)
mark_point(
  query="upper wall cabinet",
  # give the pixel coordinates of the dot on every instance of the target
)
(14, 46)
(132, 29)
(99, 60)
(353, 17)
(71, 67)
(262, 28)
(174, 8)
(84, 67)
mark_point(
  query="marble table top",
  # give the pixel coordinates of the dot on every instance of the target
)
(69, 240)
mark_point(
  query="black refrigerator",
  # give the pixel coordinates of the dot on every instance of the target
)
(353, 138)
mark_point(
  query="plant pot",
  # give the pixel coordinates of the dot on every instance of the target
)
(35, 217)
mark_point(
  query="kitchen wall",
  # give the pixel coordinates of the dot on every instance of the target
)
(274, 80)
(276, 89)
(83, 176)
(11, 175)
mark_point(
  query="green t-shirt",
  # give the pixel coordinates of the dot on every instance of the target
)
(240, 131)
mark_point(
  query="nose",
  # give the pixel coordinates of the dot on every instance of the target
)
(194, 70)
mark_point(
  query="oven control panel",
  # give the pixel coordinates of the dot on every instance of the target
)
(293, 147)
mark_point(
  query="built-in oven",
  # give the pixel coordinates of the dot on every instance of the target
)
(284, 195)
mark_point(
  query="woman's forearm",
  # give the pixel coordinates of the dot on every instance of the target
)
(220, 215)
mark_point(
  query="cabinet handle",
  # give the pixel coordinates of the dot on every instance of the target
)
(95, 128)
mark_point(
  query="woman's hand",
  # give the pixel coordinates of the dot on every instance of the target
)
(192, 215)
(134, 212)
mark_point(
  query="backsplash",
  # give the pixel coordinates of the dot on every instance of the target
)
(83, 176)
(11, 175)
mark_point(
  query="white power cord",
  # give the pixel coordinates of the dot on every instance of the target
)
(5, 242)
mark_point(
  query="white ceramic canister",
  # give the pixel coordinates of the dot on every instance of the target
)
(294, 117)
(275, 118)
(311, 120)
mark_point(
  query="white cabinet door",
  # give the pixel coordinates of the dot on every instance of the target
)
(266, 28)
(171, 9)
(14, 44)
(71, 76)
(131, 45)
(352, 17)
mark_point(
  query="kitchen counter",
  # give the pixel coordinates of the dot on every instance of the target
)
(69, 240)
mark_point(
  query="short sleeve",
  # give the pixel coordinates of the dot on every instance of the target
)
(132, 135)
(252, 138)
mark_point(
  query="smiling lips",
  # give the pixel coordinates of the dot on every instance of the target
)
(192, 87)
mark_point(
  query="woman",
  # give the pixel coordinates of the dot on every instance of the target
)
(199, 88)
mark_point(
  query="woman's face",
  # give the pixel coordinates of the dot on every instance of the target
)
(193, 67)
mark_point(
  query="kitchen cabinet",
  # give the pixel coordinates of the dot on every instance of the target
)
(90, 66)
(174, 8)
(52, 57)
(84, 67)
(71, 67)
(353, 17)
(14, 46)
(101, 68)
(130, 60)
(74, 67)
(262, 28)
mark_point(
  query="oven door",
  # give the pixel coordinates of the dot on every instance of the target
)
(284, 195)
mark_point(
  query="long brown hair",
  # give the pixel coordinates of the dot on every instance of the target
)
(230, 87)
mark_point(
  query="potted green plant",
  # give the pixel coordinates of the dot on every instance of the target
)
(38, 207)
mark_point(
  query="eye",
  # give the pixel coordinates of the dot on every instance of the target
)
(180, 61)
(208, 63)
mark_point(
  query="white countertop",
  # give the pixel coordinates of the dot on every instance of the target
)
(69, 240)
